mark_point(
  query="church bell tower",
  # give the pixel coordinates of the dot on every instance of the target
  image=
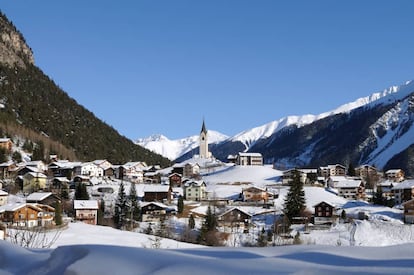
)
(204, 153)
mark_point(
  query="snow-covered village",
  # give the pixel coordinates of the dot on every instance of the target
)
(206, 137)
(202, 202)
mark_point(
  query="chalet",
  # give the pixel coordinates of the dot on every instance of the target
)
(34, 182)
(324, 213)
(255, 194)
(133, 171)
(37, 164)
(45, 198)
(409, 211)
(348, 188)
(403, 191)
(386, 188)
(3, 197)
(153, 211)
(195, 190)
(89, 169)
(307, 176)
(191, 170)
(63, 168)
(59, 183)
(235, 218)
(23, 170)
(6, 144)
(157, 192)
(396, 175)
(249, 159)
(152, 177)
(7, 169)
(175, 180)
(366, 171)
(27, 215)
(108, 170)
(332, 170)
(178, 168)
(81, 179)
(86, 211)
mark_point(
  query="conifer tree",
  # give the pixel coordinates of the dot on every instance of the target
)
(295, 199)
(81, 193)
(134, 210)
(180, 205)
(351, 170)
(191, 222)
(58, 213)
(120, 207)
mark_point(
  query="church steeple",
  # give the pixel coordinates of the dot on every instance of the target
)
(204, 153)
(203, 128)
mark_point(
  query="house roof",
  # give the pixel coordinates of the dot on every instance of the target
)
(2, 140)
(348, 183)
(61, 179)
(330, 204)
(392, 171)
(36, 175)
(3, 193)
(407, 184)
(156, 188)
(38, 196)
(254, 188)
(161, 205)
(195, 183)
(232, 209)
(85, 204)
(12, 207)
(242, 154)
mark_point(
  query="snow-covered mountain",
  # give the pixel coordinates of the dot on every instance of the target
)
(173, 149)
(251, 136)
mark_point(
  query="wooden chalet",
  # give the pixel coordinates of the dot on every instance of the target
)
(153, 211)
(409, 211)
(324, 213)
(175, 180)
(86, 211)
(235, 218)
(27, 214)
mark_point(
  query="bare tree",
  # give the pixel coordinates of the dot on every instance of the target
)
(37, 237)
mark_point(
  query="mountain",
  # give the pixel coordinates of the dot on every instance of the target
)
(376, 130)
(33, 107)
(172, 149)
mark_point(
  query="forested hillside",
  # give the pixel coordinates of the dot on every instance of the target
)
(30, 99)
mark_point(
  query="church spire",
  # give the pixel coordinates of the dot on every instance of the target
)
(203, 128)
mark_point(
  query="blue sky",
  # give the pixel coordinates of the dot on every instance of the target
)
(149, 67)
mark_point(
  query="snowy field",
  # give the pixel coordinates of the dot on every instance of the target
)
(110, 259)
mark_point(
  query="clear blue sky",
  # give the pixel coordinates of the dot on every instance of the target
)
(147, 67)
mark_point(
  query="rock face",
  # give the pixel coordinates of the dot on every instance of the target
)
(13, 48)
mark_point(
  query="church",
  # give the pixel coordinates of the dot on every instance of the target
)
(204, 153)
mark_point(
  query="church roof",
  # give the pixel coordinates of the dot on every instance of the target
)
(203, 128)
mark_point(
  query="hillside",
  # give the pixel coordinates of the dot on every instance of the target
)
(30, 99)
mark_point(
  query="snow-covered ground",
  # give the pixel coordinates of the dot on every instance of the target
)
(98, 257)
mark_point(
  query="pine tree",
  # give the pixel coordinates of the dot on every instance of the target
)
(58, 213)
(180, 205)
(120, 207)
(262, 238)
(351, 170)
(378, 197)
(295, 199)
(191, 222)
(101, 212)
(134, 210)
(81, 193)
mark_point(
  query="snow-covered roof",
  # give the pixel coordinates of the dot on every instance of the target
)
(156, 188)
(348, 183)
(38, 196)
(195, 183)
(232, 209)
(250, 154)
(2, 140)
(7, 164)
(85, 204)
(62, 179)
(393, 171)
(330, 204)
(161, 205)
(3, 193)
(407, 184)
(11, 207)
(36, 175)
